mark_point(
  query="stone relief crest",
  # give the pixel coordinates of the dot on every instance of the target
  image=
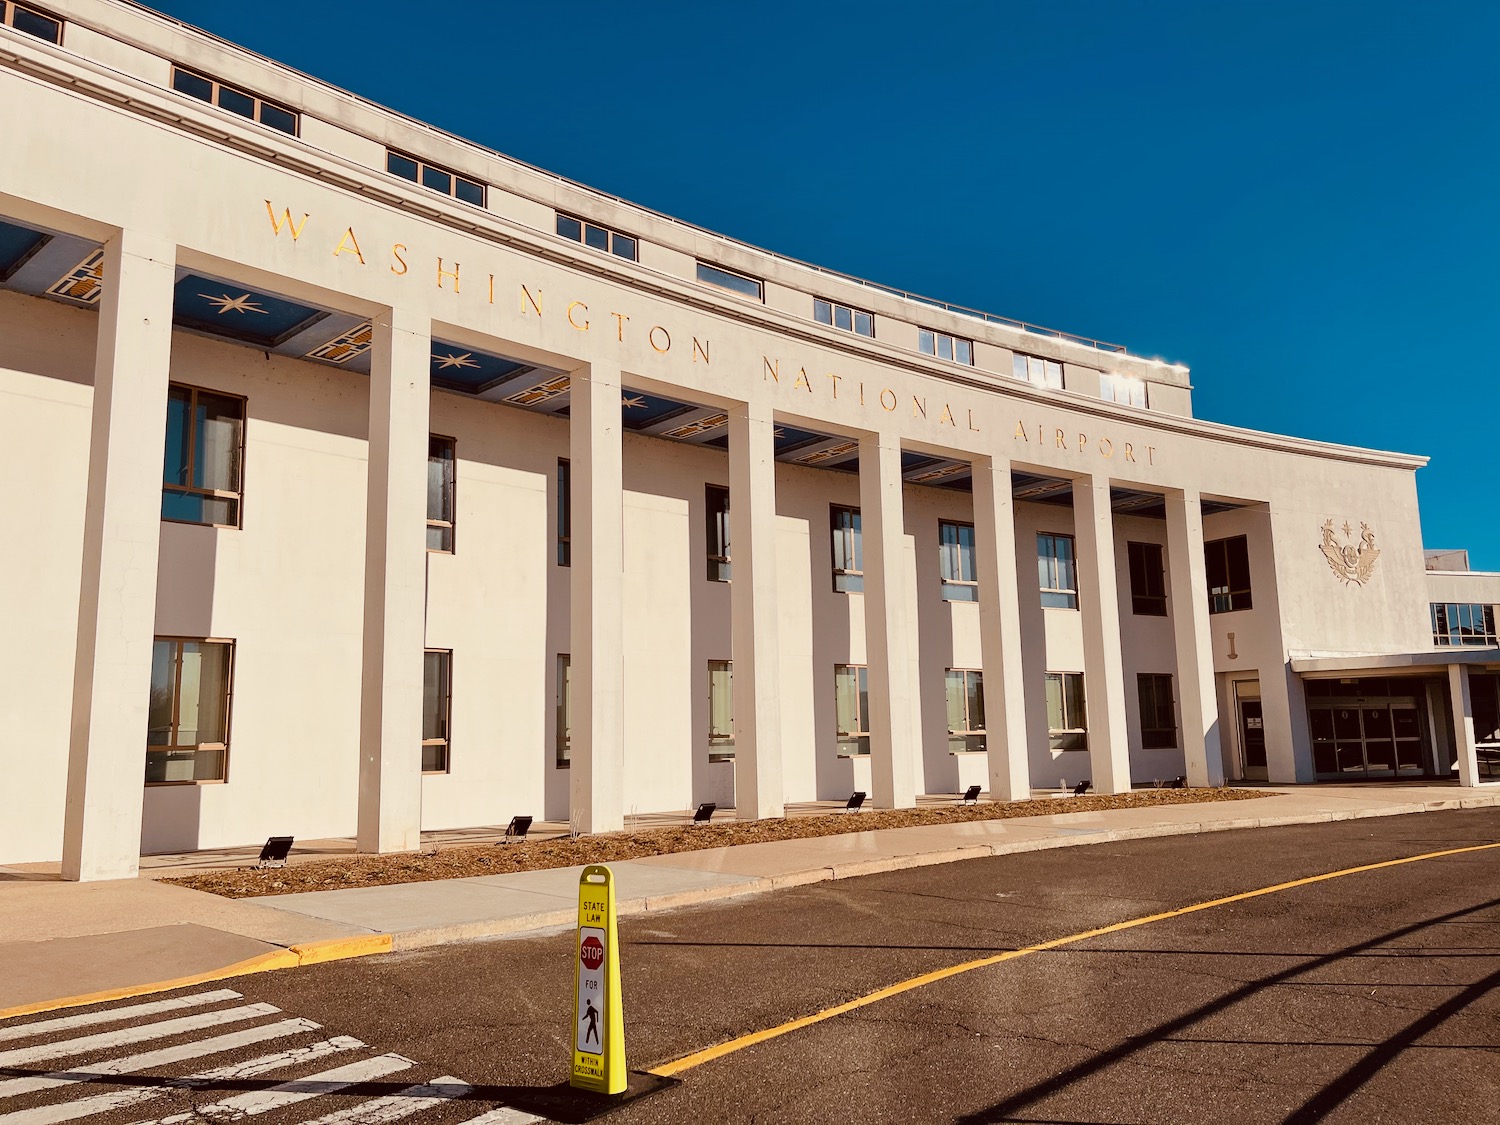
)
(1350, 562)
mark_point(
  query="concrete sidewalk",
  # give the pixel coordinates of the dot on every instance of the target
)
(61, 940)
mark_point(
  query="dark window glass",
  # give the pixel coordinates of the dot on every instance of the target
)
(469, 191)
(437, 695)
(440, 482)
(843, 318)
(956, 562)
(713, 275)
(570, 228)
(945, 347)
(564, 515)
(716, 522)
(1055, 571)
(236, 102)
(597, 237)
(624, 247)
(202, 462)
(1158, 718)
(1227, 562)
(963, 351)
(864, 324)
(822, 312)
(848, 550)
(402, 166)
(193, 85)
(1067, 716)
(437, 180)
(275, 117)
(34, 23)
(927, 342)
(187, 726)
(1148, 583)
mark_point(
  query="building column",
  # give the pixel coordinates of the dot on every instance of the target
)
(1103, 665)
(1000, 631)
(1195, 653)
(597, 766)
(752, 595)
(121, 540)
(1463, 725)
(890, 623)
(395, 627)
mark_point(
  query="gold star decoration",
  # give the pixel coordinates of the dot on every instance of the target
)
(460, 361)
(241, 304)
(634, 402)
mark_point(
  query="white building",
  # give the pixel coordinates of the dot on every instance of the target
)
(455, 453)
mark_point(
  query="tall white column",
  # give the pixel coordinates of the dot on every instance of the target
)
(752, 595)
(890, 623)
(1103, 666)
(117, 593)
(1000, 631)
(390, 728)
(597, 768)
(1196, 697)
(1465, 743)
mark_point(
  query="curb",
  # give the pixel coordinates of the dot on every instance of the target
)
(306, 953)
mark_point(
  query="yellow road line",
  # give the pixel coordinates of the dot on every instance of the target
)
(708, 1054)
(308, 953)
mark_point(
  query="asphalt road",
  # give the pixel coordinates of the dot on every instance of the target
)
(1362, 999)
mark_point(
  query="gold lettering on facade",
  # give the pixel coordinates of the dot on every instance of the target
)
(286, 219)
(947, 416)
(442, 273)
(584, 327)
(700, 348)
(861, 393)
(803, 381)
(918, 407)
(651, 336)
(492, 289)
(1083, 439)
(400, 261)
(620, 319)
(1061, 440)
(1021, 432)
(971, 422)
(835, 379)
(348, 244)
(772, 369)
(535, 302)
(1150, 454)
(887, 391)
(1129, 452)
(1106, 447)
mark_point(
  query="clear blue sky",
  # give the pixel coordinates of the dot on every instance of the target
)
(1296, 199)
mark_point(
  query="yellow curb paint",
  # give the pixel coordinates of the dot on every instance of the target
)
(308, 953)
(709, 1054)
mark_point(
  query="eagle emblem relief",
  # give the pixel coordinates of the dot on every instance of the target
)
(1351, 562)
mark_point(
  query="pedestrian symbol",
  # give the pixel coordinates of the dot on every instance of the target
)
(591, 1017)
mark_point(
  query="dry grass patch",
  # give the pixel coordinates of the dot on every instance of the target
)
(464, 860)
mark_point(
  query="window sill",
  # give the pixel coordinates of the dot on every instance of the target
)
(170, 784)
(966, 753)
(852, 756)
(436, 773)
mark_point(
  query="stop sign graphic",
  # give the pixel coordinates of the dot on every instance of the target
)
(591, 953)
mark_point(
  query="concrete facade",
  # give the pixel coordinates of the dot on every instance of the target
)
(328, 595)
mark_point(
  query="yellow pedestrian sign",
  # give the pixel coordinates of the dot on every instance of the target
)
(598, 1017)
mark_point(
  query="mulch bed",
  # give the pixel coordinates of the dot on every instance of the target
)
(461, 861)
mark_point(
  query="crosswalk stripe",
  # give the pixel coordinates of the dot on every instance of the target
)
(114, 1015)
(133, 1064)
(289, 1093)
(22, 1056)
(411, 1100)
(505, 1115)
(108, 1103)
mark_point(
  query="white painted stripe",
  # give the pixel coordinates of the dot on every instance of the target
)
(108, 1103)
(289, 1093)
(22, 1056)
(394, 1107)
(505, 1115)
(134, 1064)
(114, 1015)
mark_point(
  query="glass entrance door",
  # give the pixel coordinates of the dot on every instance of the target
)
(1367, 738)
(1253, 739)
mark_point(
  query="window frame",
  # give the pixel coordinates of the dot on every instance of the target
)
(1066, 597)
(237, 495)
(1079, 734)
(1112, 382)
(8, 9)
(957, 589)
(1451, 633)
(970, 739)
(217, 86)
(1227, 598)
(562, 711)
(928, 343)
(420, 179)
(446, 741)
(760, 286)
(447, 528)
(564, 512)
(1148, 687)
(197, 748)
(834, 308)
(845, 579)
(859, 735)
(1025, 359)
(717, 544)
(720, 745)
(1147, 602)
(610, 232)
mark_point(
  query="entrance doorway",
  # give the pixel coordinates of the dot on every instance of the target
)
(1363, 737)
(1252, 730)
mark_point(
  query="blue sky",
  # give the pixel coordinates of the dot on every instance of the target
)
(1298, 200)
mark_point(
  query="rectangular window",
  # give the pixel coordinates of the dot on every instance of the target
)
(440, 483)
(1055, 571)
(437, 709)
(33, 22)
(564, 514)
(1067, 720)
(564, 710)
(1228, 564)
(1148, 581)
(187, 732)
(720, 711)
(735, 282)
(1158, 718)
(848, 551)
(851, 688)
(716, 523)
(600, 238)
(1463, 624)
(204, 457)
(435, 178)
(1038, 371)
(956, 561)
(944, 346)
(1126, 389)
(842, 316)
(234, 100)
(965, 711)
